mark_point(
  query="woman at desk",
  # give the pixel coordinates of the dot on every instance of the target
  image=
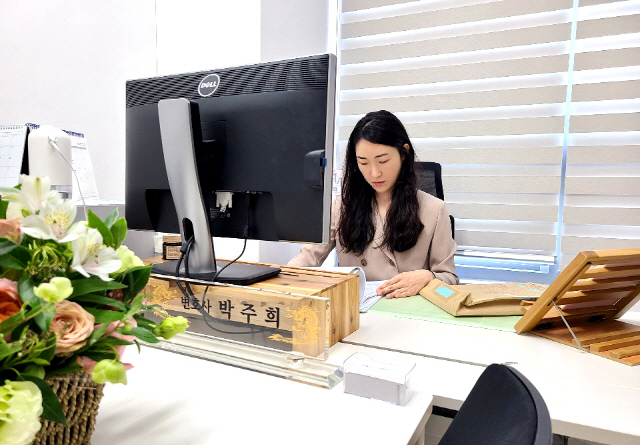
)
(382, 222)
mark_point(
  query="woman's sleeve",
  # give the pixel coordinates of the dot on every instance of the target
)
(313, 255)
(443, 247)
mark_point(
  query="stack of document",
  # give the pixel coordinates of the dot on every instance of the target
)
(368, 295)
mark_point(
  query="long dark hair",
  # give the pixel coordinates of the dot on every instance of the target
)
(402, 226)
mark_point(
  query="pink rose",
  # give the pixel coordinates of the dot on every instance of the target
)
(88, 364)
(10, 302)
(10, 229)
(72, 325)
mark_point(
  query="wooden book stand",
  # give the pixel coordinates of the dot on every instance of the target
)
(582, 304)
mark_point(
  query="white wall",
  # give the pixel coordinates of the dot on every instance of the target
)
(294, 28)
(65, 63)
(70, 59)
(197, 35)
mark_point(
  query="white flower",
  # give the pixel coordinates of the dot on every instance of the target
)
(20, 408)
(53, 222)
(35, 191)
(90, 257)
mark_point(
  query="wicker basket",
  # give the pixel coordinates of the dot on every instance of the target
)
(80, 398)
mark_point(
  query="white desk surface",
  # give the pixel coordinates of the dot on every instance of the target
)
(171, 398)
(589, 397)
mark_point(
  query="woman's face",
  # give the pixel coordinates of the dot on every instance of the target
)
(379, 164)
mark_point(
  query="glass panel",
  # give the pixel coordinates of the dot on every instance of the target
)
(281, 333)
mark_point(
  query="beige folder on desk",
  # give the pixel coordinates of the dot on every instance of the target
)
(481, 299)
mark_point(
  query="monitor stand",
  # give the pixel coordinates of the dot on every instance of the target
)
(178, 117)
(241, 274)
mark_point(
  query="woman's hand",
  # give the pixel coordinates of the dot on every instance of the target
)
(406, 284)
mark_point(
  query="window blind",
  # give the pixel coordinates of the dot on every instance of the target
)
(481, 86)
(602, 192)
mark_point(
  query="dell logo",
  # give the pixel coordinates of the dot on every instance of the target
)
(208, 85)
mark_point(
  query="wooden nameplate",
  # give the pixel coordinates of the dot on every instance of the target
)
(595, 289)
(282, 291)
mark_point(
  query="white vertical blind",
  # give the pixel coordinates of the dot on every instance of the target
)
(481, 86)
(602, 195)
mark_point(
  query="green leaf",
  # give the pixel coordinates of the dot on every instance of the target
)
(11, 262)
(50, 350)
(144, 322)
(71, 367)
(40, 361)
(111, 218)
(6, 246)
(95, 336)
(3, 209)
(19, 332)
(52, 410)
(100, 355)
(100, 300)
(7, 349)
(145, 335)
(119, 232)
(109, 341)
(25, 287)
(136, 279)
(136, 305)
(104, 316)
(115, 341)
(43, 319)
(93, 284)
(12, 255)
(14, 320)
(94, 221)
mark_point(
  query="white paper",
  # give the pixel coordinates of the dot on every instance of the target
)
(12, 143)
(370, 296)
(81, 162)
(367, 294)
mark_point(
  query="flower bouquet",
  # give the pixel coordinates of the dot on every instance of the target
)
(70, 302)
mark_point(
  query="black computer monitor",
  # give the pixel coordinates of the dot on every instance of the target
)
(262, 134)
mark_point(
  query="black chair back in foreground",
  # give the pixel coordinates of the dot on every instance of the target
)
(503, 408)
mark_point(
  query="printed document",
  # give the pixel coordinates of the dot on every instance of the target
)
(368, 296)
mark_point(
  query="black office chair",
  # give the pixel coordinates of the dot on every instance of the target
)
(430, 181)
(503, 408)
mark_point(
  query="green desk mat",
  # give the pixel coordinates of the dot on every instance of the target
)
(419, 308)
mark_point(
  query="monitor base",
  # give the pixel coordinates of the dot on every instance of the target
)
(241, 274)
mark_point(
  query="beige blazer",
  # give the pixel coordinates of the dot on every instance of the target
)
(434, 250)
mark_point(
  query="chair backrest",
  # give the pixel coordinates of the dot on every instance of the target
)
(503, 408)
(429, 176)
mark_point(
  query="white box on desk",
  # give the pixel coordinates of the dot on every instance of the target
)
(366, 377)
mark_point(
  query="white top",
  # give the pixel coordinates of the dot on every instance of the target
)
(589, 397)
(175, 399)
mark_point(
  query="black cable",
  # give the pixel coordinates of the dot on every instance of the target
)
(189, 294)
